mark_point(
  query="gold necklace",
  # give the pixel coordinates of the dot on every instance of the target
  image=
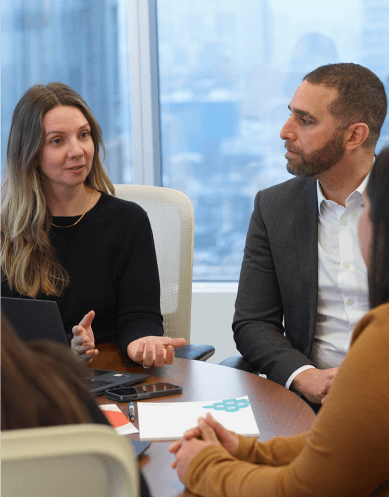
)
(70, 225)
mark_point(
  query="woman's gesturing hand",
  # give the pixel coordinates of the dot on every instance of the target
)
(83, 343)
(154, 351)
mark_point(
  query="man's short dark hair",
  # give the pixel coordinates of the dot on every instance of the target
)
(362, 96)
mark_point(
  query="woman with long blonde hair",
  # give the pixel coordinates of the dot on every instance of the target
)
(65, 237)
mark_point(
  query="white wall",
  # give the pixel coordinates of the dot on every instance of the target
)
(212, 313)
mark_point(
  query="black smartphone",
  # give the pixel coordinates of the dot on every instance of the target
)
(141, 392)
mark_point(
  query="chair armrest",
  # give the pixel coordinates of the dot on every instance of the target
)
(195, 351)
(237, 362)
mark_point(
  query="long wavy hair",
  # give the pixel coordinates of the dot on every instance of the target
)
(378, 194)
(42, 383)
(28, 260)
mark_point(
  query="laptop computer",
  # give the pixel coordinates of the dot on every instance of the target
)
(40, 319)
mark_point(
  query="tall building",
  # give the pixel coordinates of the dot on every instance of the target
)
(375, 49)
(80, 43)
(375, 37)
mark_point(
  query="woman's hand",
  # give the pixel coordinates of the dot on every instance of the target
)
(154, 351)
(83, 343)
(228, 439)
(186, 450)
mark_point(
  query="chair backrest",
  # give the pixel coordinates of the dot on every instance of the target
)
(171, 217)
(64, 461)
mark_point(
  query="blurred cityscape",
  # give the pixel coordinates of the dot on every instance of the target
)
(227, 73)
(83, 43)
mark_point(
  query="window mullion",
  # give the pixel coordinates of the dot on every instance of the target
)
(145, 92)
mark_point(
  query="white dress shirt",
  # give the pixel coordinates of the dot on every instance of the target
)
(343, 296)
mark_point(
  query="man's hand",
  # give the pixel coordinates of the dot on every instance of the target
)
(314, 383)
(154, 351)
(83, 343)
(228, 439)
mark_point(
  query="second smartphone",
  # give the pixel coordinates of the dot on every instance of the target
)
(142, 392)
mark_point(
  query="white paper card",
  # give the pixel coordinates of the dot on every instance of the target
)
(169, 421)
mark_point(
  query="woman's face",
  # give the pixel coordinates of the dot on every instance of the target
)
(67, 154)
(365, 230)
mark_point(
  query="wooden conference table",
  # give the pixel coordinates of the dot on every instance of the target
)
(277, 411)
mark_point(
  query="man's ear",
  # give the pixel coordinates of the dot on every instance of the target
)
(355, 135)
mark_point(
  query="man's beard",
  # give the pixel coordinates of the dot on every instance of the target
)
(319, 160)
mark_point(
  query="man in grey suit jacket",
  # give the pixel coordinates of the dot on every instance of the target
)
(303, 283)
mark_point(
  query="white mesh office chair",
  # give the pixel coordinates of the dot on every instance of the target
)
(68, 461)
(171, 217)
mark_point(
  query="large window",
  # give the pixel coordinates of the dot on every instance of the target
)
(83, 43)
(228, 70)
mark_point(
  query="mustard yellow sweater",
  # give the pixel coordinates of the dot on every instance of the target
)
(346, 451)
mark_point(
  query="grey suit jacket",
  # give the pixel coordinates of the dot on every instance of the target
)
(279, 280)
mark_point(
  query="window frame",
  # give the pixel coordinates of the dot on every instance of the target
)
(145, 108)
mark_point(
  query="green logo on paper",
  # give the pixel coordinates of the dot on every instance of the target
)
(231, 405)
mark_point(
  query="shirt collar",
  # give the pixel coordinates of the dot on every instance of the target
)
(361, 188)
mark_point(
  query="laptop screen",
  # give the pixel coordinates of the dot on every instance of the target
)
(35, 319)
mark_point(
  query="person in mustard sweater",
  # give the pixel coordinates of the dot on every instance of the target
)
(346, 451)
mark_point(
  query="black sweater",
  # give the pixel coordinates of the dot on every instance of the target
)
(112, 266)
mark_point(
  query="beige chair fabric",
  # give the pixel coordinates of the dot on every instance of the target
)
(171, 217)
(68, 461)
